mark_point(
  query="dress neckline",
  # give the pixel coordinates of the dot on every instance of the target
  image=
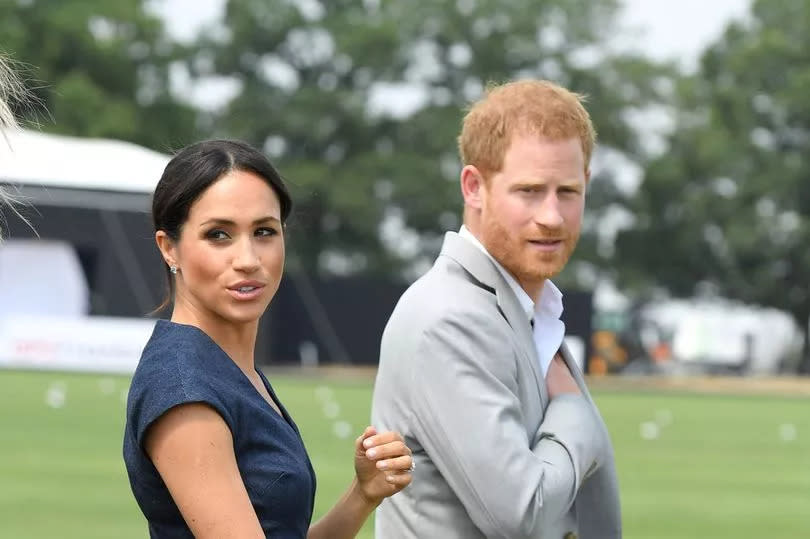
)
(284, 415)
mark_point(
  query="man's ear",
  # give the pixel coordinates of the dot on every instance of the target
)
(472, 186)
(167, 247)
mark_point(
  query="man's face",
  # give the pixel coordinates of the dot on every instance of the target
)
(531, 211)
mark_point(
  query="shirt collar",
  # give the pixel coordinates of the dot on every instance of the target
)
(550, 303)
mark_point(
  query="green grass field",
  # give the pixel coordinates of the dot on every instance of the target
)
(690, 465)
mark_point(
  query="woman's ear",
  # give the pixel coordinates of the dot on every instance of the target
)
(167, 246)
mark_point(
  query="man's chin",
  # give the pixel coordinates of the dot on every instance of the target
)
(545, 271)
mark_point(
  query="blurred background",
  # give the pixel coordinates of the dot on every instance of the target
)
(687, 301)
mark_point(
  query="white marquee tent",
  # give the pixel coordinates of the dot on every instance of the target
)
(32, 158)
(88, 201)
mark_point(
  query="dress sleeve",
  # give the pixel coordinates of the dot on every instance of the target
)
(173, 379)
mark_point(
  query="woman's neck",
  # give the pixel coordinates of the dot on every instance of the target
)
(237, 339)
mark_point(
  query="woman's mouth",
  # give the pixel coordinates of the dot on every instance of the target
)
(246, 291)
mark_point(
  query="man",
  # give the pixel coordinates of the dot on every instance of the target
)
(506, 440)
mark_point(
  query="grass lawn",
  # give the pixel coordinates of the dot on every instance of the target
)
(689, 465)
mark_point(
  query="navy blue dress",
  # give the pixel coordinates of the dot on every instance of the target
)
(181, 364)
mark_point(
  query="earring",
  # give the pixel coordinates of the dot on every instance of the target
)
(173, 269)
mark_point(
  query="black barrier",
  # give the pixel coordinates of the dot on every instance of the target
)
(328, 321)
(341, 320)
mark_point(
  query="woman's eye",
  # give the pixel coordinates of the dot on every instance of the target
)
(266, 232)
(217, 235)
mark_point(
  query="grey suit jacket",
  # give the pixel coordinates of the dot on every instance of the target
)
(460, 379)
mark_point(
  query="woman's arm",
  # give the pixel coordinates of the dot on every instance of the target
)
(192, 448)
(382, 464)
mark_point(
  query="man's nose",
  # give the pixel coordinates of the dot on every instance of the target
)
(548, 212)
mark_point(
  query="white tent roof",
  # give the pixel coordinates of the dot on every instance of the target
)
(32, 158)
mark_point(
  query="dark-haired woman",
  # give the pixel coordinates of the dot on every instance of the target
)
(209, 449)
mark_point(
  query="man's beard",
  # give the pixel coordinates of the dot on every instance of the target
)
(515, 254)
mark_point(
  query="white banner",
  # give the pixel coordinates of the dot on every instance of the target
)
(90, 344)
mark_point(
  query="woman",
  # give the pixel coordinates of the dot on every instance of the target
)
(209, 449)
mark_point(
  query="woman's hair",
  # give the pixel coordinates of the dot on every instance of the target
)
(193, 170)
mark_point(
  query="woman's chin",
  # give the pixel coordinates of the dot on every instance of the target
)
(243, 316)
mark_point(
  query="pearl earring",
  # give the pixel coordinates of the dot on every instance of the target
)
(173, 269)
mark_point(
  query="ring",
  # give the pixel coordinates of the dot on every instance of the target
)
(413, 465)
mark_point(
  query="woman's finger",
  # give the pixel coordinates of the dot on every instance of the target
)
(382, 438)
(402, 464)
(400, 480)
(389, 450)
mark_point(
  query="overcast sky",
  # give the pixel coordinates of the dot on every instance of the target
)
(680, 29)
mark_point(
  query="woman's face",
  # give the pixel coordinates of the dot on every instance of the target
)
(230, 253)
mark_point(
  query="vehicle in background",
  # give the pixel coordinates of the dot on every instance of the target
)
(696, 337)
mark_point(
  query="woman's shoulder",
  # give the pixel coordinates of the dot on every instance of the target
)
(178, 365)
(178, 343)
(180, 339)
(177, 354)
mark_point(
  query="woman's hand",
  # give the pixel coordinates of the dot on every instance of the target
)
(383, 464)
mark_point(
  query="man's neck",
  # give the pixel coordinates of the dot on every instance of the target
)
(531, 295)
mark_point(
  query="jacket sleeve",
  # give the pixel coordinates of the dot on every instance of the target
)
(468, 418)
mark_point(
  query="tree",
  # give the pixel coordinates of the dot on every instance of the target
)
(728, 203)
(104, 68)
(376, 186)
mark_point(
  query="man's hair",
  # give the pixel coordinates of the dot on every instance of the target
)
(531, 107)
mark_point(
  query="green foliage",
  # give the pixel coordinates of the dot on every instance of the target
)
(308, 78)
(728, 202)
(103, 68)
(375, 186)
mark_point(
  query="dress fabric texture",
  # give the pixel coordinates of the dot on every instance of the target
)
(181, 364)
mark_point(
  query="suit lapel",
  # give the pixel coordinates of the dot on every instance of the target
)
(516, 317)
(576, 372)
(482, 268)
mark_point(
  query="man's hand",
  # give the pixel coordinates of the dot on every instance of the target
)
(559, 379)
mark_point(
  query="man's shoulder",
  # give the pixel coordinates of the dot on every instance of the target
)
(445, 297)
(447, 287)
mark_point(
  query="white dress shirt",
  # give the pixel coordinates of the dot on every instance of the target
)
(548, 330)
